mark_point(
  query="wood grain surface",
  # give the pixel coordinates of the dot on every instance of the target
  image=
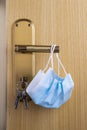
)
(56, 21)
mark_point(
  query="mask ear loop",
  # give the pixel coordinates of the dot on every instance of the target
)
(60, 63)
(58, 67)
(52, 51)
(50, 58)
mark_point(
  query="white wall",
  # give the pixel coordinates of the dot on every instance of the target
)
(2, 66)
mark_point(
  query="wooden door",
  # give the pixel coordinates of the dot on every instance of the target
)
(64, 23)
(2, 65)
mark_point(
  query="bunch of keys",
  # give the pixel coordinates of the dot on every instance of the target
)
(21, 92)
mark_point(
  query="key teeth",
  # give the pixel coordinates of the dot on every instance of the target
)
(15, 107)
(22, 97)
(26, 106)
(16, 103)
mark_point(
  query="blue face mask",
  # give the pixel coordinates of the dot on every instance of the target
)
(48, 89)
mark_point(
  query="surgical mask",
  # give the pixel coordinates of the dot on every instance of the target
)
(48, 89)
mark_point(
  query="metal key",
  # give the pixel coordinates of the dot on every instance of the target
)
(21, 92)
(18, 97)
(25, 99)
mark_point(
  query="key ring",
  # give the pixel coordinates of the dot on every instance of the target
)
(22, 83)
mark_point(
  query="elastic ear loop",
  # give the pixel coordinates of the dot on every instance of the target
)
(58, 67)
(60, 63)
(52, 51)
(50, 58)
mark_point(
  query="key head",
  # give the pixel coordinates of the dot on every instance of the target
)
(24, 81)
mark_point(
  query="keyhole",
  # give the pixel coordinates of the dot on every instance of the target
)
(29, 25)
(16, 24)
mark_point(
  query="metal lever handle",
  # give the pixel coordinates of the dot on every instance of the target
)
(35, 48)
